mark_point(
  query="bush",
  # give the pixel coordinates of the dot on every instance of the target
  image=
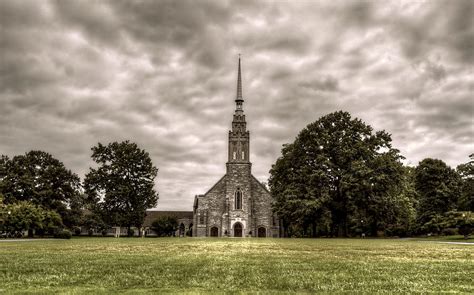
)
(165, 225)
(77, 230)
(131, 232)
(64, 234)
(449, 231)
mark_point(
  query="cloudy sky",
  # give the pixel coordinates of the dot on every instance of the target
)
(163, 74)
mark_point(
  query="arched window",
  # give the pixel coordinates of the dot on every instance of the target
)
(238, 199)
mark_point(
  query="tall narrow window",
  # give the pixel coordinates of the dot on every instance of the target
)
(238, 199)
(234, 155)
(243, 155)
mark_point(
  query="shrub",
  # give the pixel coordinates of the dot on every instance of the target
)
(77, 230)
(131, 232)
(165, 225)
(64, 234)
(449, 231)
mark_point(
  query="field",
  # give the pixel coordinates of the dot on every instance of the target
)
(189, 265)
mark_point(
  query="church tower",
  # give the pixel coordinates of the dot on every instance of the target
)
(238, 205)
(239, 136)
(238, 187)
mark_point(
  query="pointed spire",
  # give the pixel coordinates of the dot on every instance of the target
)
(239, 84)
(239, 100)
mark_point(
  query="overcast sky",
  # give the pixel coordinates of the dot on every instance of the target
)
(163, 74)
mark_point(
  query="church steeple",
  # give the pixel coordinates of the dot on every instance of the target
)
(239, 136)
(239, 100)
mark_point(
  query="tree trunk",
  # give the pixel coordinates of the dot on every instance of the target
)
(313, 234)
(139, 227)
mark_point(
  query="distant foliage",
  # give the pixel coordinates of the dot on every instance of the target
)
(438, 187)
(165, 226)
(462, 220)
(24, 216)
(466, 197)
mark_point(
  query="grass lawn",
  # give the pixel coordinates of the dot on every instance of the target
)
(190, 265)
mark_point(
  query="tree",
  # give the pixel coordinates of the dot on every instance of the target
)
(463, 220)
(438, 187)
(337, 168)
(466, 172)
(121, 189)
(39, 178)
(93, 223)
(26, 216)
(165, 226)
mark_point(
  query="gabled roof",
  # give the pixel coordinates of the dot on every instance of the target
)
(214, 185)
(261, 184)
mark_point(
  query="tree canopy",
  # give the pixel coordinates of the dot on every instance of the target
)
(438, 186)
(338, 175)
(121, 188)
(26, 216)
(39, 178)
(466, 197)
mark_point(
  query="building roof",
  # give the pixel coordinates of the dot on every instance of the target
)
(152, 215)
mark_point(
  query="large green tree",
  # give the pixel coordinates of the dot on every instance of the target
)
(121, 188)
(338, 170)
(438, 187)
(39, 178)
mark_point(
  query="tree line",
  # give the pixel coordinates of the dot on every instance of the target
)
(39, 195)
(338, 178)
(341, 178)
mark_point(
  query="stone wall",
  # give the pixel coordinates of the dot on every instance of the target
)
(262, 210)
(210, 210)
(238, 176)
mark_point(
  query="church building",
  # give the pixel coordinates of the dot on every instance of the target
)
(238, 205)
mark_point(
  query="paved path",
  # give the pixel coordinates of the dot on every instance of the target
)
(454, 243)
(24, 240)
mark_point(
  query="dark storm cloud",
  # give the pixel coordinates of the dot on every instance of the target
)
(163, 74)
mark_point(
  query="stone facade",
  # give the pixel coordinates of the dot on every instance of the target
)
(238, 205)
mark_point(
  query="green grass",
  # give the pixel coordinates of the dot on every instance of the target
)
(190, 265)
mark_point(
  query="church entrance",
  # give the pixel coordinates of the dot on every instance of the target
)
(262, 232)
(238, 230)
(214, 232)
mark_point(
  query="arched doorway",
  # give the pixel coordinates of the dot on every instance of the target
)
(238, 230)
(214, 231)
(262, 232)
